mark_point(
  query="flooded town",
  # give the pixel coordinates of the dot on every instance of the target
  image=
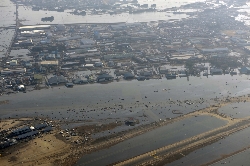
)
(132, 82)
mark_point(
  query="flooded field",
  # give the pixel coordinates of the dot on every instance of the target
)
(236, 110)
(220, 149)
(5, 39)
(7, 13)
(21, 54)
(241, 158)
(7, 19)
(157, 138)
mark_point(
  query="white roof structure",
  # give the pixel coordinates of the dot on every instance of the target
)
(49, 62)
(24, 28)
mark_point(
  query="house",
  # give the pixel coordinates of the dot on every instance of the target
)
(69, 85)
(80, 81)
(47, 129)
(21, 88)
(118, 27)
(13, 63)
(214, 50)
(40, 126)
(118, 56)
(49, 63)
(20, 131)
(98, 64)
(104, 77)
(13, 71)
(128, 76)
(131, 122)
(57, 80)
(146, 73)
(26, 135)
(89, 66)
(111, 63)
(215, 71)
(38, 77)
(141, 78)
(86, 41)
(244, 70)
(60, 27)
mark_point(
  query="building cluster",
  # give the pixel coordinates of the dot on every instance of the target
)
(14, 136)
(87, 53)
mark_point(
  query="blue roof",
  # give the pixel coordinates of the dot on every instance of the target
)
(47, 129)
(104, 76)
(20, 130)
(40, 126)
(128, 74)
(23, 136)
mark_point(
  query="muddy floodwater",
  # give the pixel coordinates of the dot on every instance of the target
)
(157, 138)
